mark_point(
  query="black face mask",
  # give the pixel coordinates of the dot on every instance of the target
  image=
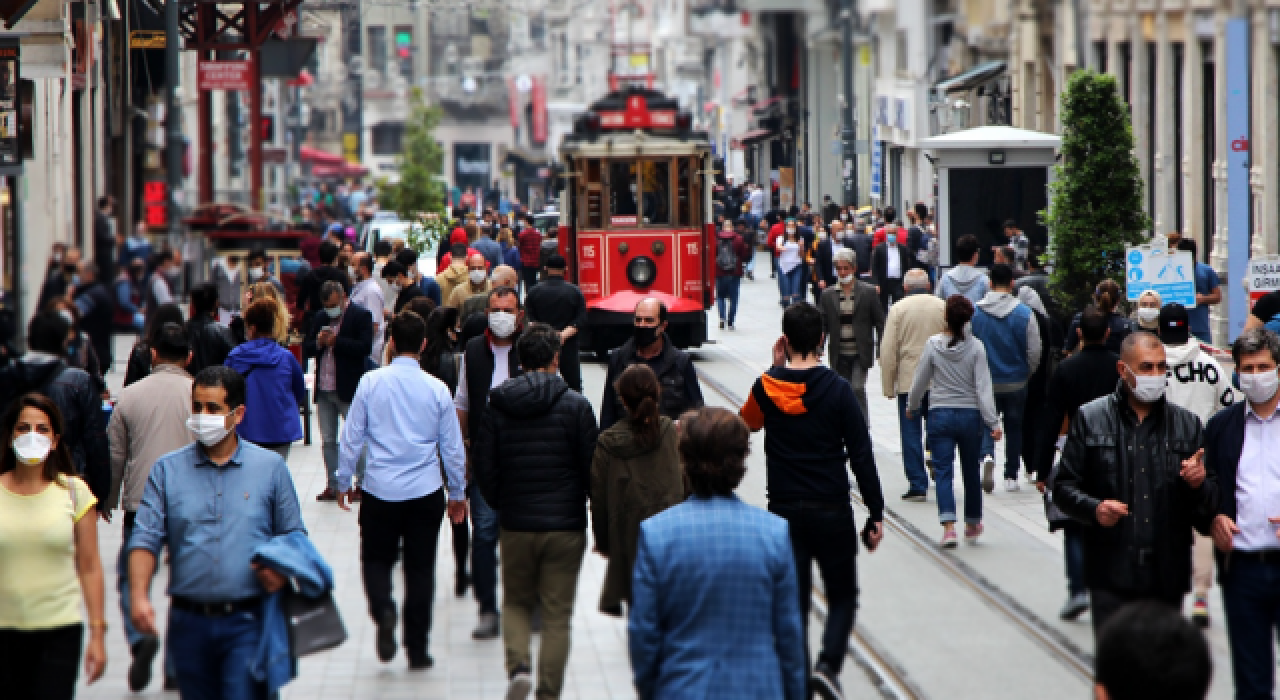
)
(68, 270)
(645, 335)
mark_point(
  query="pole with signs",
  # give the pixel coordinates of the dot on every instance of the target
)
(848, 130)
(1237, 50)
(173, 115)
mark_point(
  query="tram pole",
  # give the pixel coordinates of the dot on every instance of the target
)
(848, 132)
(173, 116)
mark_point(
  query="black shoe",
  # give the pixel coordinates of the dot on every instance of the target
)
(721, 325)
(420, 662)
(825, 682)
(461, 583)
(170, 684)
(915, 496)
(387, 636)
(144, 652)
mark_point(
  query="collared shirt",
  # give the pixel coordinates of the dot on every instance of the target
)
(893, 262)
(501, 373)
(214, 517)
(1258, 483)
(327, 367)
(403, 415)
(1145, 453)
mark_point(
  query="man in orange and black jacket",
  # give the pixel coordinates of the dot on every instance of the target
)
(813, 425)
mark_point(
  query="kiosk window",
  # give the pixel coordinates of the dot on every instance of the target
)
(657, 191)
(622, 194)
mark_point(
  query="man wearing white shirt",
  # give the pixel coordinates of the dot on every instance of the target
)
(368, 295)
(405, 418)
(1242, 445)
(889, 261)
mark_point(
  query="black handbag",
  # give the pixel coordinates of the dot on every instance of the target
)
(315, 624)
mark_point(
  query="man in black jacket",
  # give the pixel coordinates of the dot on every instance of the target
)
(1241, 448)
(93, 301)
(889, 264)
(532, 460)
(560, 305)
(673, 366)
(210, 341)
(1087, 375)
(340, 338)
(487, 362)
(310, 300)
(45, 370)
(824, 271)
(1132, 473)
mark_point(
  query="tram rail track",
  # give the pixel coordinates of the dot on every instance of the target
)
(890, 677)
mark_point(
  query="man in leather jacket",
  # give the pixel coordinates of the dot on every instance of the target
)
(1132, 472)
(673, 367)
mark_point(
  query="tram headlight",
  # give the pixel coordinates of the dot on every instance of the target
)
(642, 271)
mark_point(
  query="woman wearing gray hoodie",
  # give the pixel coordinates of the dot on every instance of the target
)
(953, 371)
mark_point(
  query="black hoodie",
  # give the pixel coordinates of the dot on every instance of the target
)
(532, 454)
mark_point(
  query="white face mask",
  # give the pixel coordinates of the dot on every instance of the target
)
(256, 273)
(844, 216)
(351, 272)
(209, 428)
(1148, 389)
(476, 276)
(32, 448)
(502, 323)
(1147, 314)
(822, 235)
(846, 280)
(1260, 387)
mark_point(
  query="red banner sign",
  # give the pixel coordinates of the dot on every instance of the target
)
(223, 75)
(513, 99)
(638, 116)
(539, 109)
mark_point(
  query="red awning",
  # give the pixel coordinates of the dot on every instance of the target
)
(314, 155)
(343, 170)
(749, 137)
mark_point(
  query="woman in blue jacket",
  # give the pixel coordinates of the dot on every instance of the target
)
(511, 251)
(274, 384)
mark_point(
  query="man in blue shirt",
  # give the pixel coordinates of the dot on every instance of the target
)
(405, 417)
(213, 503)
(1208, 293)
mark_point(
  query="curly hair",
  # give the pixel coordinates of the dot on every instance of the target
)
(280, 329)
(714, 443)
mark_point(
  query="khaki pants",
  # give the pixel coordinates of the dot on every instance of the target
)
(540, 568)
(1201, 564)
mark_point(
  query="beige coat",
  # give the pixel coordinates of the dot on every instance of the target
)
(450, 278)
(912, 320)
(149, 421)
(463, 292)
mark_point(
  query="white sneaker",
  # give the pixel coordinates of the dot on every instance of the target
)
(1011, 485)
(988, 474)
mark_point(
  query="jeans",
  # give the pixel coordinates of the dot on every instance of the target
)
(540, 570)
(830, 538)
(751, 261)
(211, 655)
(791, 285)
(385, 527)
(911, 432)
(1104, 603)
(484, 551)
(1251, 596)
(328, 408)
(126, 604)
(727, 287)
(1073, 552)
(1010, 406)
(949, 429)
(40, 664)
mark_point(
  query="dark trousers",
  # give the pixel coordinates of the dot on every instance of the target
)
(384, 527)
(890, 291)
(530, 277)
(571, 364)
(484, 551)
(1104, 603)
(40, 664)
(1251, 596)
(1073, 553)
(828, 537)
(211, 655)
(461, 545)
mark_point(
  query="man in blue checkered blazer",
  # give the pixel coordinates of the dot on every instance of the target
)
(715, 611)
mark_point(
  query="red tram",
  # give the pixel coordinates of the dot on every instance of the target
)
(635, 216)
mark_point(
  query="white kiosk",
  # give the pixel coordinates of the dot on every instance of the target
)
(986, 176)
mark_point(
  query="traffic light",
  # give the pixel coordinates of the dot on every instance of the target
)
(267, 132)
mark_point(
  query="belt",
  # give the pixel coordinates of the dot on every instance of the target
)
(130, 517)
(1262, 556)
(832, 506)
(214, 609)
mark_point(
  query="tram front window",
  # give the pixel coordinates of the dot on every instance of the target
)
(622, 192)
(656, 182)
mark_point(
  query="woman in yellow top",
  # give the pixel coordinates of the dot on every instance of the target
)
(48, 559)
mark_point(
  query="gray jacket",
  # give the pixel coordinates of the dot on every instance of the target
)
(149, 421)
(868, 322)
(955, 377)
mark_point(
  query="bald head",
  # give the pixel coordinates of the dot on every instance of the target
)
(475, 261)
(505, 276)
(916, 279)
(1137, 345)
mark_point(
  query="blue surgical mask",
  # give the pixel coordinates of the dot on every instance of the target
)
(892, 238)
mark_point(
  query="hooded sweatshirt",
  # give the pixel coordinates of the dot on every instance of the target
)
(274, 388)
(955, 377)
(1196, 381)
(965, 280)
(811, 422)
(1011, 337)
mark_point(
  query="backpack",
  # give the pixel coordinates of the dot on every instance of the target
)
(13, 384)
(726, 259)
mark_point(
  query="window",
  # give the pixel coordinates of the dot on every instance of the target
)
(377, 49)
(656, 190)
(538, 30)
(900, 60)
(685, 205)
(623, 208)
(387, 137)
(590, 213)
(404, 52)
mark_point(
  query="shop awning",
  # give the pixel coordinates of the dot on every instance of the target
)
(338, 171)
(307, 154)
(971, 78)
(750, 137)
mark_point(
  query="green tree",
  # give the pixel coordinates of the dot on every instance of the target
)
(419, 196)
(1096, 202)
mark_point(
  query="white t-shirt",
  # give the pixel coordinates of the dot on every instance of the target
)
(501, 373)
(788, 254)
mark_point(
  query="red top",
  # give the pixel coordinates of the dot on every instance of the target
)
(530, 242)
(310, 249)
(448, 260)
(878, 237)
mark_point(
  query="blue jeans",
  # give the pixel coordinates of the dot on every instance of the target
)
(211, 655)
(484, 551)
(727, 287)
(911, 432)
(126, 605)
(1009, 405)
(1073, 551)
(1251, 597)
(949, 429)
(751, 260)
(791, 285)
(328, 409)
